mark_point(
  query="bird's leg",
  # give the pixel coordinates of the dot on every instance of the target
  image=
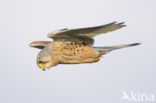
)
(97, 59)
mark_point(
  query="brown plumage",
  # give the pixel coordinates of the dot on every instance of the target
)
(74, 46)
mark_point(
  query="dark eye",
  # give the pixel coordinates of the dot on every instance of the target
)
(43, 62)
(40, 62)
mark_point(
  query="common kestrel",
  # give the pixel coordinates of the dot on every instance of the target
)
(74, 46)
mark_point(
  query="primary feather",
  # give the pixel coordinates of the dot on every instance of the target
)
(87, 32)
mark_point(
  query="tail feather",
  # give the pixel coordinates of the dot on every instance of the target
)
(104, 50)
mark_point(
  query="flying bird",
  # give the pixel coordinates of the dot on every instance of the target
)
(74, 46)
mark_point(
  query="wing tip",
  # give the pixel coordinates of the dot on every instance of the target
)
(120, 24)
(39, 44)
(135, 44)
(32, 44)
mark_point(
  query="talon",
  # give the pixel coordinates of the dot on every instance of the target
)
(97, 59)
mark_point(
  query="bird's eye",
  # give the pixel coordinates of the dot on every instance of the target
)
(43, 62)
(40, 62)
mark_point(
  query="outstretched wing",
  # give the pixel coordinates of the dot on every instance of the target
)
(39, 44)
(83, 35)
(87, 32)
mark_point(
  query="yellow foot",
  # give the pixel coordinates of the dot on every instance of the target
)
(97, 59)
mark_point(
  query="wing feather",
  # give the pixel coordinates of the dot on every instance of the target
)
(83, 36)
(39, 44)
(87, 32)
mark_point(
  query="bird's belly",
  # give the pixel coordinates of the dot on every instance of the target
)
(66, 60)
(74, 55)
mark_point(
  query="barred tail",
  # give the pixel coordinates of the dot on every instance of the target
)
(104, 50)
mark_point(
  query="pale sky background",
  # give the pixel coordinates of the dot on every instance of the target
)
(129, 69)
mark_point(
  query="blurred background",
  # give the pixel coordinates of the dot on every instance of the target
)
(129, 69)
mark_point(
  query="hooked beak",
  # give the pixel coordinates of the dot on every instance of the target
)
(41, 65)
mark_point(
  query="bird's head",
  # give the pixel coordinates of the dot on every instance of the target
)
(44, 60)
